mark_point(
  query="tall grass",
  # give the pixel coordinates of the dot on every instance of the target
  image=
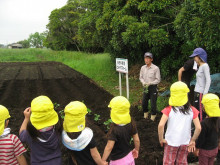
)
(99, 67)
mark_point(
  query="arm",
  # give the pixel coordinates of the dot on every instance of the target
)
(96, 156)
(157, 77)
(195, 135)
(27, 113)
(21, 160)
(137, 145)
(180, 72)
(141, 78)
(108, 148)
(161, 125)
(207, 79)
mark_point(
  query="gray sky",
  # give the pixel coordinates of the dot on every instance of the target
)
(20, 18)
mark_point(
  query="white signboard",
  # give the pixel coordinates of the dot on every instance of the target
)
(122, 65)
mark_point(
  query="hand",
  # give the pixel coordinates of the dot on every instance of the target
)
(135, 153)
(162, 142)
(104, 162)
(191, 146)
(27, 113)
(145, 85)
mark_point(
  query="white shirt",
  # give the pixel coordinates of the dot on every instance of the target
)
(203, 79)
(179, 126)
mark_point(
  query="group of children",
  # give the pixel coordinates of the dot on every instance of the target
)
(179, 116)
(43, 132)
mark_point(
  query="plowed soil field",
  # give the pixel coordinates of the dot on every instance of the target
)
(22, 82)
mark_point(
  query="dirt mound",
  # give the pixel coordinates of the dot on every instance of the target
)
(21, 82)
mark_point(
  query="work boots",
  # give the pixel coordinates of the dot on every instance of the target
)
(152, 117)
(145, 115)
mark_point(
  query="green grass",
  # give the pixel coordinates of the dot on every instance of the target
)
(99, 67)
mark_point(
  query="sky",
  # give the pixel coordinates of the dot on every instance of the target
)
(20, 18)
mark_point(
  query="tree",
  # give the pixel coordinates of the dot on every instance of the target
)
(63, 27)
(129, 28)
(36, 40)
(197, 24)
(88, 36)
(25, 43)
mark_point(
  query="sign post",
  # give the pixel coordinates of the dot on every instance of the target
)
(122, 67)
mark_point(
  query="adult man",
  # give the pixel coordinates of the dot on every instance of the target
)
(149, 77)
(185, 75)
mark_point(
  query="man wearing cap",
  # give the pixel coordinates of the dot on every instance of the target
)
(149, 77)
(203, 79)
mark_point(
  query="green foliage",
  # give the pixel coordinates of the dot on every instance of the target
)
(89, 110)
(133, 27)
(170, 29)
(62, 114)
(63, 27)
(25, 43)
(107, 123)
(197, 24)
(96, 117)
(36, 40)
(87, 34)
(56, 105)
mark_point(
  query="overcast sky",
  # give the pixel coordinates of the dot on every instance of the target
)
(20, 18)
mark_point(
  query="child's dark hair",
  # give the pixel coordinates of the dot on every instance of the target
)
(212, 122)
(34, 133)
(183, 109)
(113, 125)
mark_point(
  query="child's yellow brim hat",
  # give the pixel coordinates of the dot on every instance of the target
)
(75, 113)
(4, 114)
(178, 94)
(120, 110)
(211, 104)
(43, 113)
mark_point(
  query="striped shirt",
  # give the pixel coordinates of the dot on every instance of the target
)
(10, 148)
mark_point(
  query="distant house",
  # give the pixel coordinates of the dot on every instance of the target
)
(15, 46)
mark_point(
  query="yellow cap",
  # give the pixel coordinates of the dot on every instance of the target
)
(178, 94)
(74, 120)
(120, 110)
(4, 114)
(211, 104)
(43, 113)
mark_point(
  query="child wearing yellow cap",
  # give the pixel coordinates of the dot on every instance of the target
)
(207, 143)
(78, 138)
(178, 116)
(40, 130)
(11, 148)
(123, 128)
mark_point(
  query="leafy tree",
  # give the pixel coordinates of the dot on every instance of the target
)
(130, 28)
(36, 40)
(63, 27)
(170, 29)
(25, 43)
(87, 33)
(197, 24)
